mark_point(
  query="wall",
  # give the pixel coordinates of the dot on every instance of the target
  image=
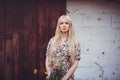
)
(97, 27)
(25, 29)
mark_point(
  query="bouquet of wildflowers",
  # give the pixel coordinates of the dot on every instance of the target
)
(60, 63)
(56, 73)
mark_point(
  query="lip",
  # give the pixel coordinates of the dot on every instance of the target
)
(64, 28)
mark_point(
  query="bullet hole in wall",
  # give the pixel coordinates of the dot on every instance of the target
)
(103, 12)
(87, 49)
(118, 47)
(115, 37)
(74, 10)
(113, 41)
(100, 19)
(67, 11)
(103, 53)
(116, 68)
(98, 57)
(88, 17)
(100, 75)
(113, 73)
(77, 9)
(114, 21)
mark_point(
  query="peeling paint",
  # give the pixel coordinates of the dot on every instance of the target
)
(101, 75)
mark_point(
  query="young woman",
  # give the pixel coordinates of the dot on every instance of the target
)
(63, 51)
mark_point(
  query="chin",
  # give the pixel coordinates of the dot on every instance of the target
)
(64, 31)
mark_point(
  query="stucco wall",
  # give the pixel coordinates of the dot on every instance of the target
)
(97, 27)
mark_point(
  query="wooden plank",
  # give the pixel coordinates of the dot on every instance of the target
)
(28, 27)
(1, 40)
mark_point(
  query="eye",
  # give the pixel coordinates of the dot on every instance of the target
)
(61, 23)
(66, 23)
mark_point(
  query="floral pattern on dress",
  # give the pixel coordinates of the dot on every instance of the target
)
(61, 56)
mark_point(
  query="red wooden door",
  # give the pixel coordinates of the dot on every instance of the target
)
(25, 29)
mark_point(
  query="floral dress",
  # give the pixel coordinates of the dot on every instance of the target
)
(60, 59)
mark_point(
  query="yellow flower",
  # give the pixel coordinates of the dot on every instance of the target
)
(46, 72)
(35, 71)
(54, 64)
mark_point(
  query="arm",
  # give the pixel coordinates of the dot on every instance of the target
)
(71, 70)
(48, 66)
(75, 64)
(47, 61)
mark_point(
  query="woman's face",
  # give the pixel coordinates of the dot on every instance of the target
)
(64, 25)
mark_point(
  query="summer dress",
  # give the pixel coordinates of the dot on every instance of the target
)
(60, 58)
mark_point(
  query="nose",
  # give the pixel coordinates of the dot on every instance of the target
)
(64, 24)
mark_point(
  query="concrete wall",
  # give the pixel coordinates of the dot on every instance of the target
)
(97, 27)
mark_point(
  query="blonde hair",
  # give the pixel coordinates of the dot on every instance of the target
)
(58, 35)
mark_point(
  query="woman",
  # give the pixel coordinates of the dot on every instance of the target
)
(63, 51)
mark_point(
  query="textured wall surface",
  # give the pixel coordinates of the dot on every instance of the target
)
(25, 29)
(97, 27)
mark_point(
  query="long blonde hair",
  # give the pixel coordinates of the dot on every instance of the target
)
(58, 35)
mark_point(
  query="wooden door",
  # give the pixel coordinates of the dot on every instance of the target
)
(25, 29)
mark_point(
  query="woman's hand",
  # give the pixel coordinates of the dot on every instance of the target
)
(49, 74)
(71, 70)
(64, 78)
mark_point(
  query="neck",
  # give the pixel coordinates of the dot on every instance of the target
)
(64, 36)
